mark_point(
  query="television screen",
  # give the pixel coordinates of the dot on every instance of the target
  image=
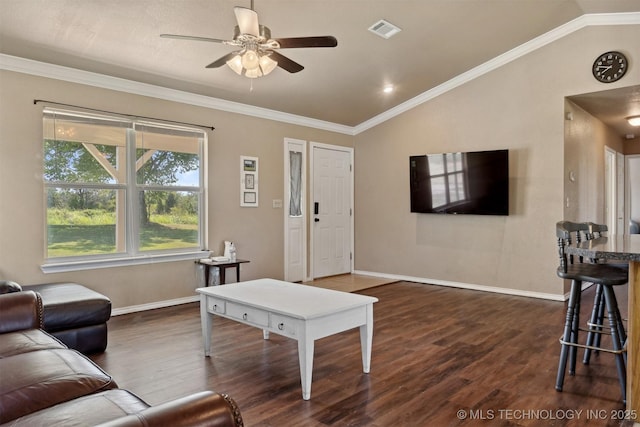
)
(460, 183)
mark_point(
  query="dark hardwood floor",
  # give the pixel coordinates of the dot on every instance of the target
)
(441, 357)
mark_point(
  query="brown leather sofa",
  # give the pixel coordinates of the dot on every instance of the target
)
(43, 382)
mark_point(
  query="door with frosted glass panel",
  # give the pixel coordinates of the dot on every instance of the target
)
(294, 207)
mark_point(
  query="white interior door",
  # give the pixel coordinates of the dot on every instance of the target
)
(295, 223)
(331, 210)
(620, 224)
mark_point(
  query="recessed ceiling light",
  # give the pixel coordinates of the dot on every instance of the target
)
(634, 120)
(388, 89)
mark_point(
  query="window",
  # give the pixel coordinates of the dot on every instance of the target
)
(447, 174)
(119, 188)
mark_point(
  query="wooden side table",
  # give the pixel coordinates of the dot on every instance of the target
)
(222, 266)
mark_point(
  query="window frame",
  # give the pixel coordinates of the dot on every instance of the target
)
(133, 254)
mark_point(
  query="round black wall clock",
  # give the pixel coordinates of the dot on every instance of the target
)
(610, 67)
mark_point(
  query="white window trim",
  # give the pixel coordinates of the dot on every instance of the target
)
(62, 267)
(77, 263)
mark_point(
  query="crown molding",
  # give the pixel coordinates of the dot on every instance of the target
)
(73, 75)
(630, 18)
(42, 69)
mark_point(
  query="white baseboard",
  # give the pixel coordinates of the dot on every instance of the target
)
(154, 305)
(396, 277)
(437, 282)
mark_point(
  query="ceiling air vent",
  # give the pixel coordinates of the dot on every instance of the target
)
(384, 29)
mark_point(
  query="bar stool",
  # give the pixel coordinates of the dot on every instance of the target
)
(600, 274)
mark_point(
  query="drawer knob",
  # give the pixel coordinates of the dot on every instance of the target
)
(215, 307)
(281, 326)
(245, 316)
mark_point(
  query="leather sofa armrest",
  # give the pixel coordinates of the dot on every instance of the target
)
(19, 311)
(203, 409)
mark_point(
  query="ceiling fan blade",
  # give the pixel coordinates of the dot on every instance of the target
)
(202, 39)
(286, 63)
(221, 61)
(320, 41)
(247, 21)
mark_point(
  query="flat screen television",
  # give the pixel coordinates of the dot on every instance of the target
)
(474, 183)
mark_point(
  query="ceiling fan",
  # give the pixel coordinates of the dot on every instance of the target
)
(257, 55)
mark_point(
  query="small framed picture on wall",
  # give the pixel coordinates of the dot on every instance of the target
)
(250, 197)
(248, 181)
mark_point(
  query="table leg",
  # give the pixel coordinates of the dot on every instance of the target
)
(305, 356)
(237, 272)
(206, 275)
(222, 275)
(366, 340)
(207, 323)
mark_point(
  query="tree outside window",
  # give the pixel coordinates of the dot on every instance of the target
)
(120, 188)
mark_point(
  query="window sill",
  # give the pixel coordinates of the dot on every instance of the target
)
(61, 267)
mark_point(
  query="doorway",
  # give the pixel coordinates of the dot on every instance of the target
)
(633, 194)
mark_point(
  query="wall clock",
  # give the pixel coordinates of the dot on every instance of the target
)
(610, 67)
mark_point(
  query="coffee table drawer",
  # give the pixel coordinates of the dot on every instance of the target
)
(283, 325)
(215, 305)
(247, 314)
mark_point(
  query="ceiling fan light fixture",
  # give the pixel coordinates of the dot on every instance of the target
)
(634, 120)
(267, 64)
(235, 64)
(250, 59)
(252, 64)
(253, 73)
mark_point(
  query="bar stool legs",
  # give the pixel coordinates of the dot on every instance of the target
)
(605, 298)
(596, 326)
(570, 334)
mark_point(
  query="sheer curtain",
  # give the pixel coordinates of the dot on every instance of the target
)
(295, 183)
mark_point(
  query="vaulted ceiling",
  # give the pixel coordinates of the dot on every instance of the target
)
(440, 39)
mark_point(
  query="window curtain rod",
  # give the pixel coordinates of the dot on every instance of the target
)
(37, 101)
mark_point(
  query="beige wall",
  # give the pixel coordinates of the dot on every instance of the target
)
(632, 146)
(520, 107)
(585, 141)
(257, 232)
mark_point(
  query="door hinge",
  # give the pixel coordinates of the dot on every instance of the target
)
(350, 256)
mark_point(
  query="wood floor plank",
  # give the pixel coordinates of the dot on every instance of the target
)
(436, 351)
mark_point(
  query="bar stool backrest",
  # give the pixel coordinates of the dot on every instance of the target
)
(567, 233)
(596, 230)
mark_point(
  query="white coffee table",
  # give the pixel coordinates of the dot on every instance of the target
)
(304, 313)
